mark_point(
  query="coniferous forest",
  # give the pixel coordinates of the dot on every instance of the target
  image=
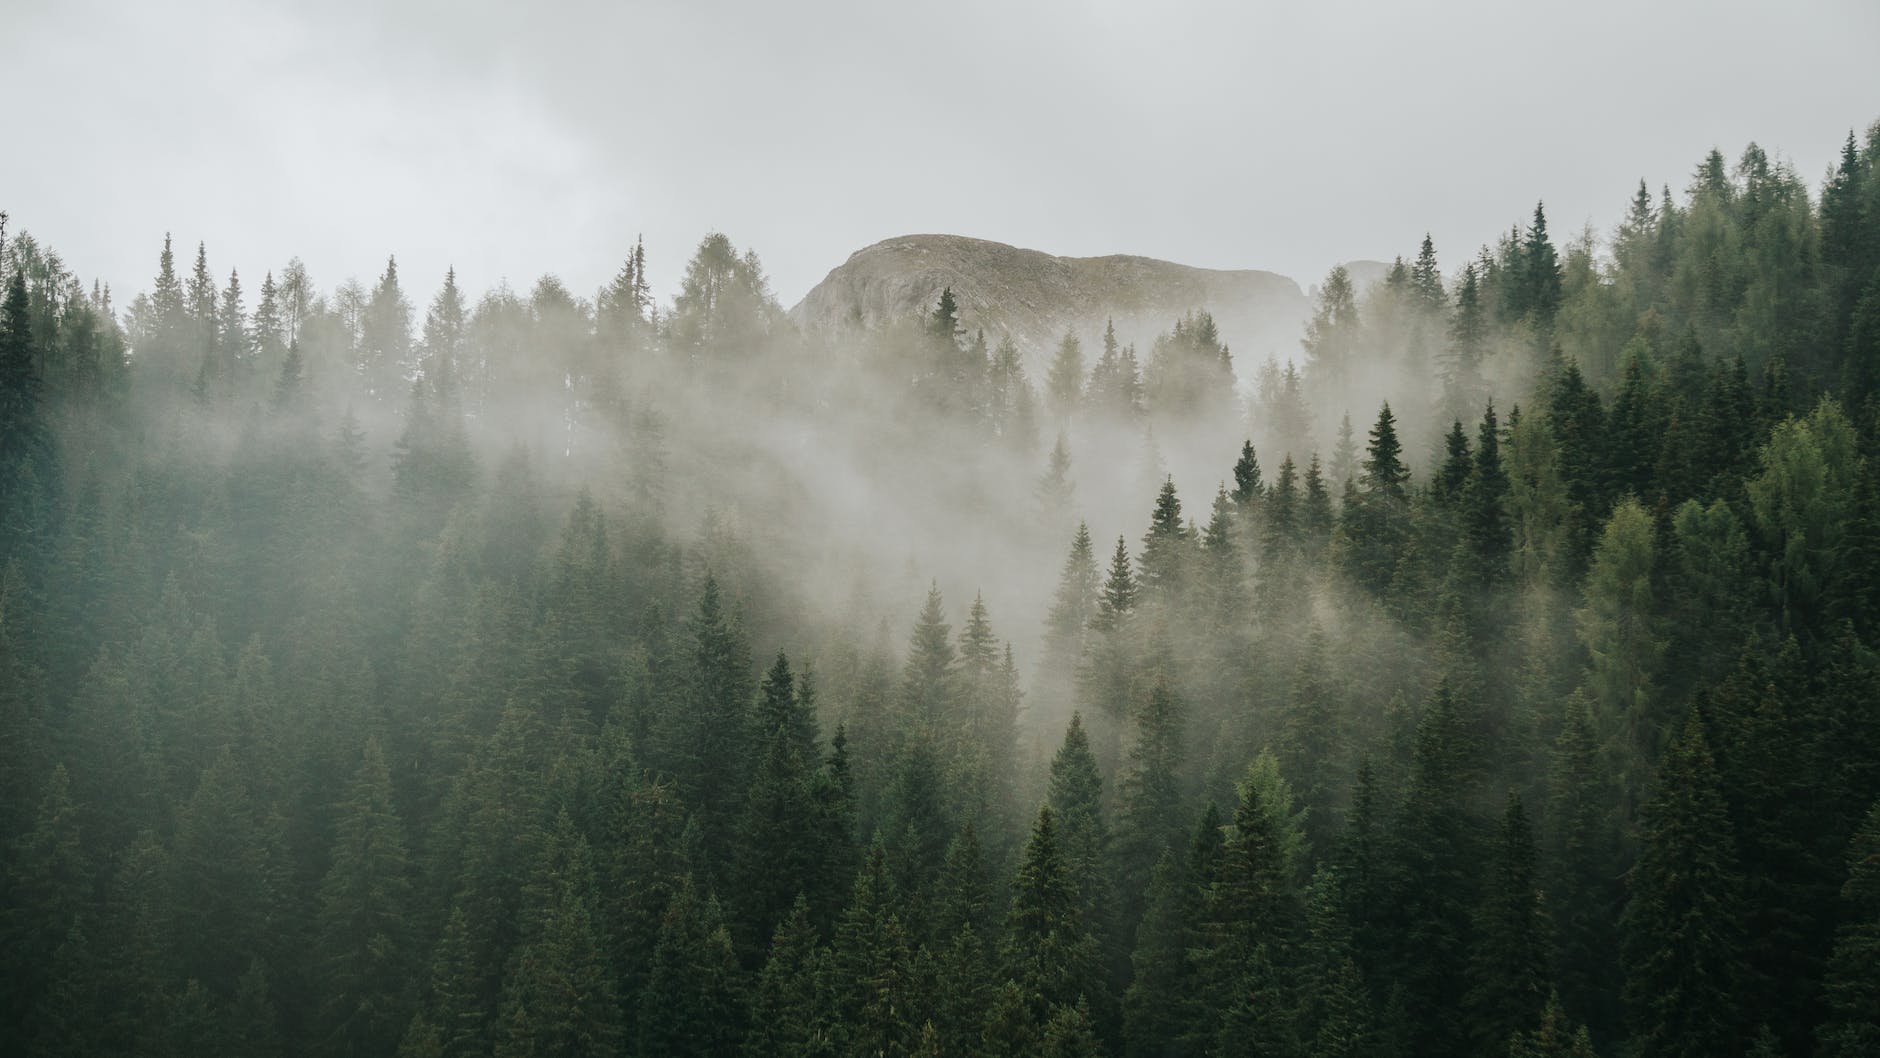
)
(392, 669)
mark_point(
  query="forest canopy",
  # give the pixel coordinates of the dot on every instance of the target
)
(392, 668)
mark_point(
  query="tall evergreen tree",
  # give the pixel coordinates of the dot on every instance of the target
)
(1852, 984)
(1508, 968)
(1683, 923)
(364, 908)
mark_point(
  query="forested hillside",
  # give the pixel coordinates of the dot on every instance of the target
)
(521, 674)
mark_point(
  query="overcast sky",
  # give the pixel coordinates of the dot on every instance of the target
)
(516, 139)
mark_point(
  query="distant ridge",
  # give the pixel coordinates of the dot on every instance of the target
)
(1035, 296)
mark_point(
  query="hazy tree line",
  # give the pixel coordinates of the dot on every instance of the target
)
(459, 679)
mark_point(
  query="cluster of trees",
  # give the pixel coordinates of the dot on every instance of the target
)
(359, 695)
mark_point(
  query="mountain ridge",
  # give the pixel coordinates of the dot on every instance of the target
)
(1035, 296)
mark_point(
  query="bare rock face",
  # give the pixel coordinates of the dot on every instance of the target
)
(1035, 297)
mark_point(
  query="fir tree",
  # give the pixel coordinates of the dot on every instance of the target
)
(1049, 951)
(1683, 923)
(1851, 986)
(1247, 484)
(560, 998)
(693, 1000)
(364, 904)
(1508, 966)
(791, 1015)
(1064, 384)
(1164, 548)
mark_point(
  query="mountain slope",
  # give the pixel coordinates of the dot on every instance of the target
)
(1035, 296)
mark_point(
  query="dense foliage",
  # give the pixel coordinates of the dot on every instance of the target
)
(512, 677)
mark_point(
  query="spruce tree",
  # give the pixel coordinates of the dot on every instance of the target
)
(1049, 951)
(559, 997)
(1247, 485)
(1082, 835)
(1582, 869)
(1435, 857)
(693, 1001)
(1119, 588)
(1149, 796)
(24, 442)
(1683, 927)
(1851, 986)
(929, 679)
(1161, 1005)
(1554, 1038)
(1508, 966)
(1165, 548)
(713, 742)
(364, 908)
(791, 1015)
(1065, 382)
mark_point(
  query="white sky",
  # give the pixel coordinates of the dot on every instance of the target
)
(516, 139)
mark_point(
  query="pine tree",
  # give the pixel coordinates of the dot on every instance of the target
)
(1252, 917)
(1010, 1031)
(1075, 795)
(1619, 625)
(1072, 610)
(24, 440)
(1508, 966)
(1683, 923)
(1435, 856)
(1344, 466)
(1149, 796)
(1332, 334)
(1064, 384)
(363, 912)
(1119, 588)
(692, 1004)
(1463, 385)
(1453, 475)
(456, 1006)
(559, 997)
(445, 324)
(1374, 531)
(1334, 1016)
(385, 336)
(1485, 522)
(964, 900)
(1247, 484)
(224, 858)
(1851, 987)
(791, 1016)
(1056, 490)
(929, 679)
(1049, 950)
(1315, 510)
(1582, 869)
(1162, 1005)
(233, 344)
(916, 824)
(1069, 1034)
(778, 848)
(1384, 474)
(1577, 421)
(46, 882)
(1555, 1038)
(1165, 548)
(714, 739)
(1309, 738)
(199, 302)
(1539, 281)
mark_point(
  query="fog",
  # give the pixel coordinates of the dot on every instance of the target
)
(1284, 137)
(452, 606)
